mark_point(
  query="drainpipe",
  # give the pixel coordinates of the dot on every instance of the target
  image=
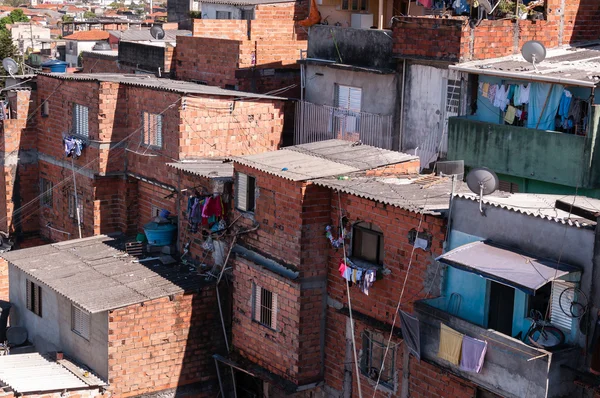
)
(380, 17)
(402, 105)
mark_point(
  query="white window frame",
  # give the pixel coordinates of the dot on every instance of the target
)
(245, 192)
(81, 121)
(80, 322)
(557, 316)
(71, 203)
(33, 291)
(152, 129)
(46, 188)
(348, 104)
(264, 312)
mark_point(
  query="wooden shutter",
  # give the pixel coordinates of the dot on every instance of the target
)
(274, 311)
(28, 288)
(80, 322)
(557, 316)
(257, 291)
(241, 192)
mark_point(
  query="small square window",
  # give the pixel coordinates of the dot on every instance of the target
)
(152, 131)
(367, 243)
(75, 201)
(223, 15)
(80, 322)
(34, 297)
(81, 120)
(374, 347)
(265, 307)
(245, 192)
(46, 192)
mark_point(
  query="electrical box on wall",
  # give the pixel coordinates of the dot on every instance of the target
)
(361, 21)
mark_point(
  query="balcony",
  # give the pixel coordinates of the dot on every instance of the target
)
(315, 123)
(541, 155)
(511, 368)
(365, 48)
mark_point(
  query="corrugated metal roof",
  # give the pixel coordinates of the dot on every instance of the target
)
(322, 159)
(576, 66)
(96, 275)
(148, 81)
(144, 34)
(27, 373)
(206, 168)
(536, 205)
(426, 193)
(247, 2)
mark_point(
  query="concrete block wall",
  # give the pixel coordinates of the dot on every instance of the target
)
(98, 63)
(164, 343)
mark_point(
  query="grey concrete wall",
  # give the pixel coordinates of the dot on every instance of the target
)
(379, 91)
(178, 11)
(142, 56)
(370, 48)
(52, 331)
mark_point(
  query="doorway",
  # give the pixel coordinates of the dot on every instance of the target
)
(502, 302)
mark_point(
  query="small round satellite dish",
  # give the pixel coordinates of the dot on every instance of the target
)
(533, 51)
(157, 32)
(16, 336)
(482, 181)
(10, 65)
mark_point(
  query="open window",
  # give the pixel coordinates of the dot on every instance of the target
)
(33, 291)
(367, 243)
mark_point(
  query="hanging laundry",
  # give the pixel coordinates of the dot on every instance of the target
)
(367, 281)
(501, 100)
(212, 207)
(511, 92)
(509, 116)
(460, 6)
(421, 243)
(565, 105)
(426, 3)
(450, 344)
(342, 267)
(348, 274)
(525, 93)
(492, 92)
(472, 354)
(73, 146)
(485, 90)
(518, 114)
(411, 333)
(517, 95)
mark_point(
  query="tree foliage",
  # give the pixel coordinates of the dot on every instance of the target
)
(89, 14)
(16, 15)
(7, 47)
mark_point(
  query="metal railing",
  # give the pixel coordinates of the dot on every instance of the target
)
(315, 123)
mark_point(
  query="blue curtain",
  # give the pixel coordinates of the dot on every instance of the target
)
(537, 98)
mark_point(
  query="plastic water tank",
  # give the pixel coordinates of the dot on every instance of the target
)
(55, 66)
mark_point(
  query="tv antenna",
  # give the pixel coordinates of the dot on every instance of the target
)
(534, 52)
(11, 66)
(482, 181)
(157, 32)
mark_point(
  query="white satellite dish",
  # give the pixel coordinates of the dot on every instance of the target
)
(11, 66)
(157, 32)
(482, 181)
(534, 52)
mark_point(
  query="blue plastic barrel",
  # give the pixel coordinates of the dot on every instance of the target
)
(56, 66)
(159, 234)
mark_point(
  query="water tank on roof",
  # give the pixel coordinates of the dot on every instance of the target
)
(55, 66)
(101, 46)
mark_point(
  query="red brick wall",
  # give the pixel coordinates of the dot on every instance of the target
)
(277, 351)
(231, 29)
(4, 279)
(164, 344)
(581, 20)
(150, 195)
(111, 209)
(428, 380)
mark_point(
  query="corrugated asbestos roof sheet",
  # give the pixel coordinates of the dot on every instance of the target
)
(27, 373)
(148, 81)
(578, 66)
(427, 193)
(322, 159)
(537, 205)
(247, 2)
(206, 168)
(144, 35)
(96, 275)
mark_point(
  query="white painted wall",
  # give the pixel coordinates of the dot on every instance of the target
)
(22, 34)
(209, 10)
(74, 48)
(52, 331)
(425, 117)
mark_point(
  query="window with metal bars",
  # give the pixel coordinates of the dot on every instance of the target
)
(245, 192)
(74, 202)
(506, 186)
(265, 307)
(80, 120)
(547, 298)
(247, 15)
(355, 5)
(374, 346)
(80, 322)
(223, 15)
(34, 297)
(46, 192)
(152, 131)
(367, 243)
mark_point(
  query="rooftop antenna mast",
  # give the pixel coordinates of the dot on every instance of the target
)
(534, 52)
(482, 181)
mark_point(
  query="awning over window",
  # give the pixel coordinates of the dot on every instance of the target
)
(507, 266)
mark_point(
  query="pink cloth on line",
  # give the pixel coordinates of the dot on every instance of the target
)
(426, 3)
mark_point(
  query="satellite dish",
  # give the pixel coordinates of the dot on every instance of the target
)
(487, 6)
(11, 66)
(482, 181)
(534, 52)
(157, 32)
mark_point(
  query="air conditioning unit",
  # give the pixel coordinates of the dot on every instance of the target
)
(361, 21)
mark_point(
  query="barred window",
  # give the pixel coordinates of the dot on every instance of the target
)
(223, 15)
(80, 322)
(265, 306)
(80, 120)
(152, 133)
(374, 347)
(46, 192)
(34, 297)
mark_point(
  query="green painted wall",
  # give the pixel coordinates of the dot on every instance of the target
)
(541, 156)
(527, 185)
